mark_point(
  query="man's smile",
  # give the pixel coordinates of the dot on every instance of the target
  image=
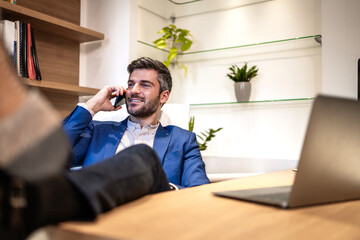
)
(136, 100)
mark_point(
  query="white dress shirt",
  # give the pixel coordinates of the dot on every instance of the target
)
(134, 134)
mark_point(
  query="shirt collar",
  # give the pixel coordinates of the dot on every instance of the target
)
(151, 129)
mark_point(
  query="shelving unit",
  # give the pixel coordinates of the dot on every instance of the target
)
(58, 35)
(311, 41)
(60, 87)
(247, 102)
(49, 24)
(267, 47)
(287, 40)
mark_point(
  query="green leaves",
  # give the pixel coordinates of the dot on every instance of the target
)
(176, 40)
(205, 136)
(242, 74)
(191, 123)
(160, 43)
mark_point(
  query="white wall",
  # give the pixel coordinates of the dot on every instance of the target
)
(294, 69)
(151, 18)
(341, 46)
(286, 70)
(104, 62)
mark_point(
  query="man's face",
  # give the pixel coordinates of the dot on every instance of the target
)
(143, 97)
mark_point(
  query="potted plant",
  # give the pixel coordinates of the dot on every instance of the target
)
(242, 77)
(177, 41)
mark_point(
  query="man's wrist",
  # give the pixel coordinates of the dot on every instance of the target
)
(91, 106)
(84, 105)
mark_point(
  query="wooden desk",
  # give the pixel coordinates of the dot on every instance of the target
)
(195, 213)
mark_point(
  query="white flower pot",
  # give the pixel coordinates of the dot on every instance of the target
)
(242, 91)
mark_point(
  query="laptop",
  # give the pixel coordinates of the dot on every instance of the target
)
(329, 166)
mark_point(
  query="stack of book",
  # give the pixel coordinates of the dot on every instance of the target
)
(19, 41)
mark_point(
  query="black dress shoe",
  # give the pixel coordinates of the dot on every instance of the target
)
(13, 202)
(49, 157)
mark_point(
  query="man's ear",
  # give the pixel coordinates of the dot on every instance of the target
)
(164, 97)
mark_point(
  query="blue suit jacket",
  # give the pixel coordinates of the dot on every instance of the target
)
(94, 141)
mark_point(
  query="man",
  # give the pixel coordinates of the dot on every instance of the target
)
(35, 188)
(149, 87)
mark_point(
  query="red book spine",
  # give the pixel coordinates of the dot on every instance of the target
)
(30, 60)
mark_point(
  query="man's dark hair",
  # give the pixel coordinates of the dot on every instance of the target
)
(164, 76)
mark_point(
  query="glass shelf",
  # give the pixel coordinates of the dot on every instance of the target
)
(317, 38)
(311, 43)
(254, 101)
(153, 46)
(254, 44)
(182, 3)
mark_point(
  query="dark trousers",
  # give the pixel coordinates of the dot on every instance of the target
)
(55, 194)
(130, 174)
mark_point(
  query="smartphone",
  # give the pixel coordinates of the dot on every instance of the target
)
(120, 100)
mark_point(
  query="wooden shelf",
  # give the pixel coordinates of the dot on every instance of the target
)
(60, 87)
(58, 35)
(49, 24)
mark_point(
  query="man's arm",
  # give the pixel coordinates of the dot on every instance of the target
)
(78, 125)
(194, 173)
(79, 119)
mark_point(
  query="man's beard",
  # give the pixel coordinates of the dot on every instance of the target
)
(148, 109)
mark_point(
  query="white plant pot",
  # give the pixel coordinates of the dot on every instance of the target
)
(242, 91)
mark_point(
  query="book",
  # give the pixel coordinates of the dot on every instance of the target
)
(23, 50)
(7, 30)
(35, 57)
(29, 55)
(17, 50)
(19, 42)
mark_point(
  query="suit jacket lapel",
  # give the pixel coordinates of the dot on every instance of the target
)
(161, 142)
(115, 134)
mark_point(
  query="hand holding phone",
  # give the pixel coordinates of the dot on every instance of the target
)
(120, 100)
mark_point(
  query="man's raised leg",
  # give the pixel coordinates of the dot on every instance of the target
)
(33, 150)
(35, 190)
(132, 173)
